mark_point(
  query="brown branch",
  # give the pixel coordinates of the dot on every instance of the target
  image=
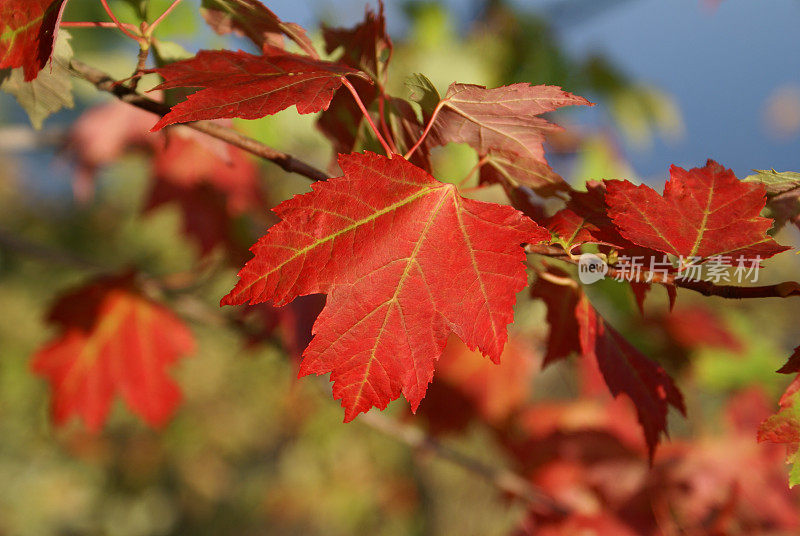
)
(502, 479)
(104, 82)
(14, 243)
(706, 288)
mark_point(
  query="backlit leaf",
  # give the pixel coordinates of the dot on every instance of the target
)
(404, 261)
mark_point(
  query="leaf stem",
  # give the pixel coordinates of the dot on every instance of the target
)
(120, 25)
(426, 131)
(364, 111)
(384, 126)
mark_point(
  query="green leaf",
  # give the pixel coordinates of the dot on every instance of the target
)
(776, 182)
(50, 91)
(423, 92)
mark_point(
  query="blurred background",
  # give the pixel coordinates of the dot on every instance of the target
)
(252, 450)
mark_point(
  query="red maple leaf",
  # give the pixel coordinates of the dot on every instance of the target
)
(363, 47)
(238, 84)
(704, 212)
(571, 231)
(404, 261)
(343, 122)
(627, 371)
(366, 46)
(561, 301)
(252, 19)
(211, 189)
(575, 326)
(112, 340)
(27, 33)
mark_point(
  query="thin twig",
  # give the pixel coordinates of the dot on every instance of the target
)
(785, 289)
(502, 479)
(104, 82)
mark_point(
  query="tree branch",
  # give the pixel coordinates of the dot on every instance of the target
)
(104, 82)
(706, 288)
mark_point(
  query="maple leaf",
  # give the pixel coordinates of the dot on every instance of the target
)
(500, 119)
(571, 231)
(50, 91)
(404, 261)
(561, 301)
(238, 84)
(254, 20)
(366, 46)
(585, 220)
(626, 370)
(784, 427)
(27, 33)
(112, 340)
(783, 195)
(210, 189)
(503, 126)
(704, 212)
(575, 327)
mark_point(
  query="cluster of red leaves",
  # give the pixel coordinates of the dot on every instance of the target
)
(405, 260)
(585, 455)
